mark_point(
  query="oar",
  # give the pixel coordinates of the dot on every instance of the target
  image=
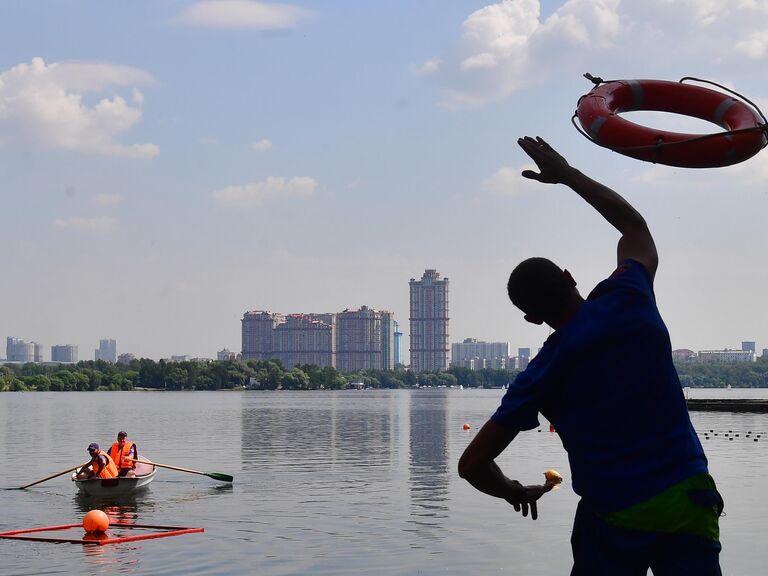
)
(53, 476)
(214, 475)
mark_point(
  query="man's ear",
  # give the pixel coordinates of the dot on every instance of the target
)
(569, 279)
(533, 319)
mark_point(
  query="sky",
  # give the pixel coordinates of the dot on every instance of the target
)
(167, 165)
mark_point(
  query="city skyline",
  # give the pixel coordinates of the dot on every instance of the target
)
(295, 156)
(226, 354)
(348, 340)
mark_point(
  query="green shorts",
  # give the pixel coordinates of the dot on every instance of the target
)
(692, 506)
(673, 533)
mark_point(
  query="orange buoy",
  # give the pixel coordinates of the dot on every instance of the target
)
(553, 477)
(467, 426)
(96, 521)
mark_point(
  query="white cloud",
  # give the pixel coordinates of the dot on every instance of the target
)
(256, 193)
(428, 68)
(137, 97)
(507, 181)
(754, 46)
(750, 172)
(653, 175)
(484, 60)
(99, 225)
(262, 145)
(43, 106)
(506, 46)
(242, 14)
(587, 23)
(107, 199)
(89, 76)
(493, 54)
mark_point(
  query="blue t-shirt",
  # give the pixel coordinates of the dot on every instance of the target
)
(607, 382)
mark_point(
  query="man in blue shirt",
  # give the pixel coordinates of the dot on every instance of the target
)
(606, 381)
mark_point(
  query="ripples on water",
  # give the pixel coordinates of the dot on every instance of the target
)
(325, 483)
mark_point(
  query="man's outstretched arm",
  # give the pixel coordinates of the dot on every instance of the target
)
(636, 241)
(477, 465)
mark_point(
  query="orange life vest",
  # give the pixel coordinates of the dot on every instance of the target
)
(108, 471)
(120, 456)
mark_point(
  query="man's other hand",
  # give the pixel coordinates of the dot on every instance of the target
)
(524, 498)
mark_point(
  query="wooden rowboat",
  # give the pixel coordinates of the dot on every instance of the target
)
(145, 473)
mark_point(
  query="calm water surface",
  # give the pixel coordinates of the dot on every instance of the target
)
(325, 483)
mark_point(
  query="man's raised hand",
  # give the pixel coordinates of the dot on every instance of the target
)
(553, 168)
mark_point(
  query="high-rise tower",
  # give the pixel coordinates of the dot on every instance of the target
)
(305, 339)
(429, 322)
(17, 350)
(257, 337)
(398, 337)
(64, 353)
(106, 351)
(364, 340)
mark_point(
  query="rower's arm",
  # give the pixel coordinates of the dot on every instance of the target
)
(84, 468)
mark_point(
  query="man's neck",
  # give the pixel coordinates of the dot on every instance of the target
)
(573, 306)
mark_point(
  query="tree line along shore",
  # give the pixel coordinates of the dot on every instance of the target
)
(148, 374)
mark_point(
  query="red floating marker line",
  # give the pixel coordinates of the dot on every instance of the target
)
(43, 529)
(155, 526)
(167, 531)
(145, 536)
(54, 540)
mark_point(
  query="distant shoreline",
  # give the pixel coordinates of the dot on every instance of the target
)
(756, 405)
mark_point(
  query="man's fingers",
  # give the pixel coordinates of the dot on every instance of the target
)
(543, 143)
(526, 500)
(529, 145)
(532, 175)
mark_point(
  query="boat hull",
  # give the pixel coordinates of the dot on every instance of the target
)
(145, 473)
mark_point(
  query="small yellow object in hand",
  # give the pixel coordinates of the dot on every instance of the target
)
(553, 477)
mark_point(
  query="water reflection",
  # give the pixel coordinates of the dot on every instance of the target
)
(336, 447)
(429, 468)
(300, 436)
(125, 508)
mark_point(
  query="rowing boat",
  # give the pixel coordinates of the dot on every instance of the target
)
(145, 473)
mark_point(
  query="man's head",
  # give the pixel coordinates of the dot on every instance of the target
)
(541, 290)
(93, 448)
(121, 436)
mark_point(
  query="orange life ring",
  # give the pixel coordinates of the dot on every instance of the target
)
(598, 112)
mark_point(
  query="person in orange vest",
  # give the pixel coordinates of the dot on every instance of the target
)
(100, 466)
(124, 453)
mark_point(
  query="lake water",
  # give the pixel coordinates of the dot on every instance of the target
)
(352, 482)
